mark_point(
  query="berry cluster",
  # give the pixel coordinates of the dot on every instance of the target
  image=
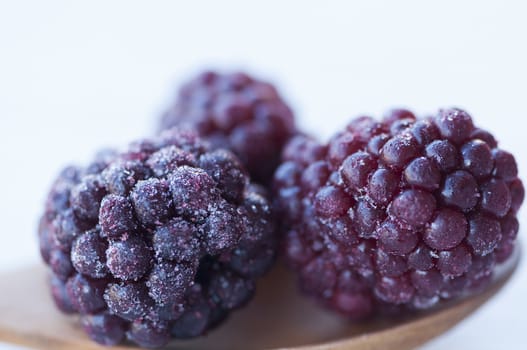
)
(399, 213)
(161, 241)
(239, 113)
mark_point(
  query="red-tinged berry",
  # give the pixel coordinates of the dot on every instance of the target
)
(455, 262)
(413, 211)
(477, 158)
(447, 229)
(454, 124)
(460, 189)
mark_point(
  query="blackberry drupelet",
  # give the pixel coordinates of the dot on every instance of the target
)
(237, 112)
(399, 213)
(163, 240)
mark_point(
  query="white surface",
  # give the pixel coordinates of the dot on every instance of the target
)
(75, 77)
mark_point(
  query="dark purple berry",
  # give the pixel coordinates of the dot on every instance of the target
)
(495, 197)
(484, 234)
(461, 190)
(420, 259)
(427, 283)
(517, 194)
(509, 226)
(65, 228)
(193, 190)
(477, 158)
(397, 114)
(485, 136)
(229, 290)
(424, 131)
(422, 172)
(376, 143)
(382, 186)
(455, 262)
(394, 240)
(504, 165)
(164, 239)
(120, 177)
(315, 175)
(60, 295)
(86, 295)
(104, 328)
(148, 334)
(168, 159)
(152, 201)
(252, 260)
(86, 197)
(304, 150)
(365, 128)
(390, 265)
(177, 240)
(129, 301)
(236, 112)
(130, 259)
(331, 201)
(320, 276)
(167, 282)
(443, 153)
(394, 290)
(504, 250)
(413, 207)
(366, 219)
(228, 173)
(45, 239)
(223, 230)
(287, 174)
(341, 147)
(399, 150)
(297, 251)
(116, 217)
(356, 168)
(195, 320)
(88, 255)
(60, 264)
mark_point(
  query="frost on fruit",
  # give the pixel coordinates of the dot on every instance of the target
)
(163, 240)
(402, 212)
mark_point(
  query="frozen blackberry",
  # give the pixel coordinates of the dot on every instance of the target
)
(239, 113)
(401, 212)
(163, 240)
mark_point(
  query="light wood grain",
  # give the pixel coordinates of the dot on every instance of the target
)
(278, 318)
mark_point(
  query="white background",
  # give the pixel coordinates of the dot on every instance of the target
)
(76, 76)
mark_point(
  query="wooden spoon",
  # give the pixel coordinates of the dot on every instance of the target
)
(278, 318)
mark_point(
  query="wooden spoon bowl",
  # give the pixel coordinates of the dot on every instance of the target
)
(278, 318)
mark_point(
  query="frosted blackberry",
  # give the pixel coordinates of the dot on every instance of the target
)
(236, 112)
(163, 240)
(402, 212)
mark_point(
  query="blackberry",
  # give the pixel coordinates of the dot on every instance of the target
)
(163, 240)
(401, 212)
(237, 112)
